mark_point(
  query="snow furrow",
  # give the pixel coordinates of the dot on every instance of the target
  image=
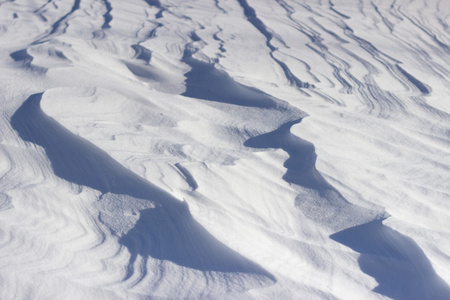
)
(259, 25)
(166, 232)
(57, 24)
(224, 149)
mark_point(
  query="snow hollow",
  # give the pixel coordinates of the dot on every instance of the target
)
(224, 149)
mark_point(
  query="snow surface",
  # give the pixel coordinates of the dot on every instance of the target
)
(226, 149)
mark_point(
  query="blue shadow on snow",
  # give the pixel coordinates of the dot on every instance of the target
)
(397, 263)
(166, 232)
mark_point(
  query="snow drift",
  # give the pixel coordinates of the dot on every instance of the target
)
(224, 149)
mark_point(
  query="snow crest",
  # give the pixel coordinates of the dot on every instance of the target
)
(245, 149)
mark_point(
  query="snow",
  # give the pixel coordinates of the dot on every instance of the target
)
(227, 149)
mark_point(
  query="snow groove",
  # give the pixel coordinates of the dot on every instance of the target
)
(166, 232)
(56, 26)
(259, 25)
(224, 149)
(107, 16)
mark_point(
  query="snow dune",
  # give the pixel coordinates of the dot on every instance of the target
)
(224, 149)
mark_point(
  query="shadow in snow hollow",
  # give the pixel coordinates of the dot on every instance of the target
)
(394, 260)
(206, 82)
(397, 263)
(166, 232)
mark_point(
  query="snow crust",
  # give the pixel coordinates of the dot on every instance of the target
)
(226, 149)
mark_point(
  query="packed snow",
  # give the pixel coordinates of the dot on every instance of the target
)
(225, 149)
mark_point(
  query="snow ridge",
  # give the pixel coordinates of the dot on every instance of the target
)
(224, 149)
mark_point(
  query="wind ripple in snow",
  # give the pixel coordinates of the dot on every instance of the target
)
(147, 102)
(165, 232)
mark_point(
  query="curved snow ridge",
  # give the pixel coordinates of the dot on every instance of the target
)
(251, 16)
(166, 232)
(385, 253)
(40, 58)
(320, 202)
(157, 4)
(300, 166)
(107, 16)
(56, 25)
(206, 82)
(397, 263)
(148, 101)
(349, 57)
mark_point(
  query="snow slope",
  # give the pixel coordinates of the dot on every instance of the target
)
(226, 149)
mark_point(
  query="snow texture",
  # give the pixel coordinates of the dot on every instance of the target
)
(226, 149)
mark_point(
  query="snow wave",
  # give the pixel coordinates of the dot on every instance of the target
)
(224, 149)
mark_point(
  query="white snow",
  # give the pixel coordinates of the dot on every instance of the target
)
(226, 149)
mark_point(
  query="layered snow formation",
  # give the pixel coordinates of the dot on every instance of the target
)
(225, 149)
